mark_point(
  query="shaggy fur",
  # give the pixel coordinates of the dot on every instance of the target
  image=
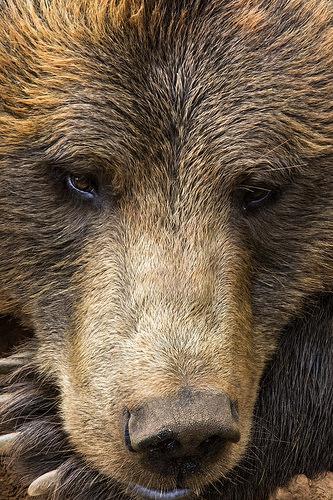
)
(293, 430)
(174, 110)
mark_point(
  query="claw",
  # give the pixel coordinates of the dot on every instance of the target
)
(6, 442)
(43, 484)
(4, 398)
(12, 362)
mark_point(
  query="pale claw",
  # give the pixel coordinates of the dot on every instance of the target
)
(6, 442)
(4, 398)
(43, 484)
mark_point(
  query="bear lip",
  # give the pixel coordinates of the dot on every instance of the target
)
(160, 495)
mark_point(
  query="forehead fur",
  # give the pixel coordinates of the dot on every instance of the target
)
(194, 67)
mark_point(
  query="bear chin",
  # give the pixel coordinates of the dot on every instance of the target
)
(292, 430)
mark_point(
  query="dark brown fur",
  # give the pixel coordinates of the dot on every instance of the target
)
(172, 106)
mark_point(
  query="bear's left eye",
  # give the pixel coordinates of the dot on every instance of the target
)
(82, 185)
(253, 197)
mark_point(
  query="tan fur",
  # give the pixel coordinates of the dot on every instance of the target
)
(166, 291)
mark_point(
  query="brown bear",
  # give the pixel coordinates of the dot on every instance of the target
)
(166, 225)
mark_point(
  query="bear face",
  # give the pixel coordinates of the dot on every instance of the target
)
(165, 211)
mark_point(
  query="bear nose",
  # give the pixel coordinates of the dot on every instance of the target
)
(182, 432)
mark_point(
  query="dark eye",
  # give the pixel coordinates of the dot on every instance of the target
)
(253, 197)
(82, 185)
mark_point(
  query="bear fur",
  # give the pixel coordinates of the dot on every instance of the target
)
(166, 224)
(292, 432)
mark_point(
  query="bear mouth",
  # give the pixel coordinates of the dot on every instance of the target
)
(161, 495)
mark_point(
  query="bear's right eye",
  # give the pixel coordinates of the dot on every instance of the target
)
(82, 185)
(255, 197)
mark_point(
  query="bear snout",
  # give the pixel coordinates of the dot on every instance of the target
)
(177, 436)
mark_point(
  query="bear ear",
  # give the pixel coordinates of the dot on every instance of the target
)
(44, 484)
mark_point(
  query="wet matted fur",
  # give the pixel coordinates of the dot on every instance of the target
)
(172, 270)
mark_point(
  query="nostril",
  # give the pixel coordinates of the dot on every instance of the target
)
(211, 444)
(164, 442)
(189, 467)
(170, 446)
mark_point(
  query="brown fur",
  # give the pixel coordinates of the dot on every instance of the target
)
(164, 283)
